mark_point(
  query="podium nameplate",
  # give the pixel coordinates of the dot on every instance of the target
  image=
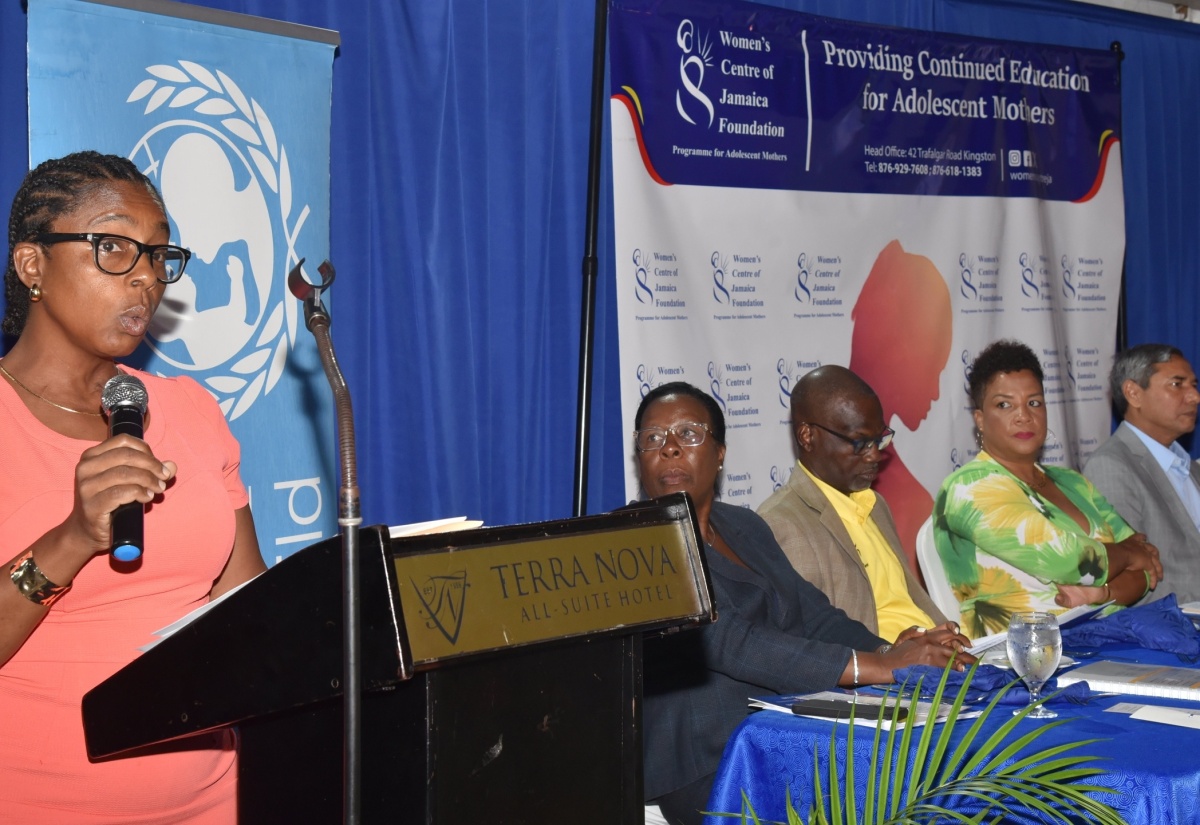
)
(467, 599)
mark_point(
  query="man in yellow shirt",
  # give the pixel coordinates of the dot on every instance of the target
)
(836, 531)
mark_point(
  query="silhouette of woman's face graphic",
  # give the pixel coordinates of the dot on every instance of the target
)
(902, 333)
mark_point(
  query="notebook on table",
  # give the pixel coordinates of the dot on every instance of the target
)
(1137, 680)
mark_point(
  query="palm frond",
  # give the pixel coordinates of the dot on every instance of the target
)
(916, 779)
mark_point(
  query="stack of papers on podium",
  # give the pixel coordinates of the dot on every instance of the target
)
(180, 623)
(441, 525)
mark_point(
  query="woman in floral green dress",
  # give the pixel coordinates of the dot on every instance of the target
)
(1014, 535)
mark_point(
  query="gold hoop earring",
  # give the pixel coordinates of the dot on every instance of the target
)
(35, 294)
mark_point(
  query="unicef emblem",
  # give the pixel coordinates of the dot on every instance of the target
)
(225, 178)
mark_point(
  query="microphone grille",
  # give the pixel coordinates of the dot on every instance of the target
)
(124, 390)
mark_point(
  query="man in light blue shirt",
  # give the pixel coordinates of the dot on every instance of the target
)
(1142, 470)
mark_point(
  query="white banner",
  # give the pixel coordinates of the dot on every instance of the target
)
(792, 191)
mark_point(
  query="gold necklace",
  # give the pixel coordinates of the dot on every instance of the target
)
(39, 397)
(1039, 479)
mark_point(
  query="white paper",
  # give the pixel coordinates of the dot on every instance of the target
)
(1180, 717)
(988, 642)
(869, 702)
(441, 525)
(177, 625)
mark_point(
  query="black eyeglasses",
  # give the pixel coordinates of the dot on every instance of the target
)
(118, 255)
(860, 445)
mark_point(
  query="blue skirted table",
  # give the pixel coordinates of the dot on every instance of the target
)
(1152, 769)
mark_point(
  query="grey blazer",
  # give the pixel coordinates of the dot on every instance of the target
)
(1134, 483)
(811, 533)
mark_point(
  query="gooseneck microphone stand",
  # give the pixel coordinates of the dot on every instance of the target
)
(316, 318)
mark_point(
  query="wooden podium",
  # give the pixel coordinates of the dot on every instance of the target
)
(502, 673)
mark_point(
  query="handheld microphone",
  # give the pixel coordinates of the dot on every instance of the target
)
(124, 400)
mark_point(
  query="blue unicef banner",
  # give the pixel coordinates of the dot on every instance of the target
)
(791, 191)
(770, 98)
(230, 117)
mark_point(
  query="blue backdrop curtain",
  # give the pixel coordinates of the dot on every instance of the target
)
(459, 145)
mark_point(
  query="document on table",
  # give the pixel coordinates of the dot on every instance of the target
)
(1138, 679)
(1169, 716)
(866, 706)
(1180, 717)
(988, 642)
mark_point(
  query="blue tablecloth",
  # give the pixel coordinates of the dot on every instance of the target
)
(1153, 769)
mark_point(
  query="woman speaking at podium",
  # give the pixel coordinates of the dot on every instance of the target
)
(775, 633)
(89, 258)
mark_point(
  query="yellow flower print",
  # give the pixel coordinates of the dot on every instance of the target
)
(993, 497)
(986, 607)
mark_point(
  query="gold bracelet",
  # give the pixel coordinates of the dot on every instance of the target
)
(32, 582)
(1107, 592)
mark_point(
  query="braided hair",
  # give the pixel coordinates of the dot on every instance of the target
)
(57, 187)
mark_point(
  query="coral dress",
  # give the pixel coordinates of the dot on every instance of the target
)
(111, 609)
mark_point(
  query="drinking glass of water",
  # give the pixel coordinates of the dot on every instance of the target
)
(1034, 648)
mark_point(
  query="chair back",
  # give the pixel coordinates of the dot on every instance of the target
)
(935, 575)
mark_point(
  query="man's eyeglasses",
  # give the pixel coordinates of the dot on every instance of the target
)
(118, 255)
(860, 445)
(687, 434)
